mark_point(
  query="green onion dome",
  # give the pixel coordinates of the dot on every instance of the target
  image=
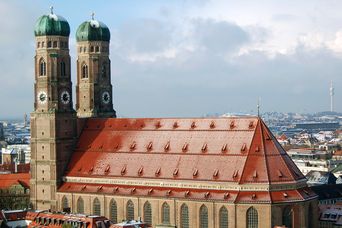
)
(92, 30)
(52, 25)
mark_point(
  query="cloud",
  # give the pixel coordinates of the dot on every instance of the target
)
(202, 80)
(218, 36)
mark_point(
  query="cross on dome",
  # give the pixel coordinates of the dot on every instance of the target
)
(51, 9)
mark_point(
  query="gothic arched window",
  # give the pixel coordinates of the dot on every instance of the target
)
(184, 216)
(63, 70)
(65, 203)
(288, 216)
(165, 213)
(223, 217)
(203, 218)
(113, 210)
(84, 71)
(96, 207)
(42, 68)
(80, 206)
(252, 218)
(148, 213)
(130, 210)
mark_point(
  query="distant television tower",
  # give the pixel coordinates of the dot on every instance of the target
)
(25, 120)
(332, 93)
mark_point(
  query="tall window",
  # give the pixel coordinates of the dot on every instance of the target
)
(84, 71)
(148, 213)
(223, 216)
(42, 67)
(80, 206)
(63, 70)
(104, 70)
(65, 203)
(165, 213)
(130, 210)
(288, 217)
(113, 209)
(252, 218)
(203, 218)
(184, 216)
(96, 207)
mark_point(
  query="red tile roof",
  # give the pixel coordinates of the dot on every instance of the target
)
(8, 180)
(53, 219)
(21, 168)
(238, 150)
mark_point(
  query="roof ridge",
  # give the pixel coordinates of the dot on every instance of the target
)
(263, 145)
(248, 153)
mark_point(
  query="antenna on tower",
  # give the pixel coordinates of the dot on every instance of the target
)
(258, 107)
(332, 93)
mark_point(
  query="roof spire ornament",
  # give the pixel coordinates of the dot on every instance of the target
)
(258, 107)
(92, 16)
(51, 9)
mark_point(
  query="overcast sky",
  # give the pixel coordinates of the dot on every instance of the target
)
(184, 58)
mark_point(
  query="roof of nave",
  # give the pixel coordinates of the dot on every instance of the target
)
(236, 150)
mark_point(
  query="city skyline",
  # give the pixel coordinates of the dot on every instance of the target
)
(199, 56)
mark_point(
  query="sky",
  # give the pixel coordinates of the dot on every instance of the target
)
(190, 58)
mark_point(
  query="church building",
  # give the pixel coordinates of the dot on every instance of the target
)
(171, 172)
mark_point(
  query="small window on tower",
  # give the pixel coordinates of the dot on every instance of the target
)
(97, 49)
(43, 44)
(61, 44)
(63, 70)
(54, 44)
(84, 71)
(80, 49)
(92, 49)
(38, 45)
(84, 49)
(49, 44)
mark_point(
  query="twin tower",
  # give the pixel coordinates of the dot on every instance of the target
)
(55, 124)
(93, 89)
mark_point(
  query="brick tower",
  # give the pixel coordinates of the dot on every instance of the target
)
(94, 88)
(53, 121)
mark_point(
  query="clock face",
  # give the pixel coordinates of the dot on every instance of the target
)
(65, 97)
(42, 97)
(105, 97)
